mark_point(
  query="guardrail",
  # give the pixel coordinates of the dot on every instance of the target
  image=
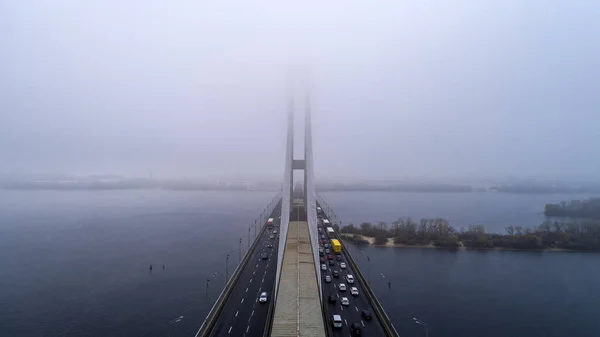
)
(217, 308)
(384, 319)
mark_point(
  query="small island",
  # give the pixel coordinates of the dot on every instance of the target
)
(552, 234)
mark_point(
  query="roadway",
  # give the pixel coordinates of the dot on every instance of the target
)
(242, 314)
(351, 313)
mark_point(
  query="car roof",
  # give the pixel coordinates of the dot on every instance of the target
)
(355, 288)
(337, 317)
(264, 293)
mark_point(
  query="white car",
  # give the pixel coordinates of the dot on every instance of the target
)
(327, 278)
(354, 291)
(345, 301)
(342, 287)
(350, 278)
(323, 267)
(263, 297)
(343, 265)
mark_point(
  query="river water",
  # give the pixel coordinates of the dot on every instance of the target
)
(75, 263)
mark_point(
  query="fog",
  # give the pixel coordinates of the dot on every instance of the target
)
(400, 89)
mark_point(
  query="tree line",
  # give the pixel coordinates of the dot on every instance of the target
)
(572, 235)
(589, 208)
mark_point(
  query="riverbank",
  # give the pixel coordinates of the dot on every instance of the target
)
(390, 243)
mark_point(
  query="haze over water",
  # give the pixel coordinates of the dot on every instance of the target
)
(76, 263)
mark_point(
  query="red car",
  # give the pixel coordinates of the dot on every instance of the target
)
(324, 241)
(329, 257)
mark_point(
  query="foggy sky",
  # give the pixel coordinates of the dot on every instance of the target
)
(400, 89)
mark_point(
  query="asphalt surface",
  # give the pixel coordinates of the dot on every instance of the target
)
(351, 313)
(242, 314)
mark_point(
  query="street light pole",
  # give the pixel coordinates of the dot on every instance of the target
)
(249, 237)
(240, 250)
(226, 271)
(423, 324)
(369, 259)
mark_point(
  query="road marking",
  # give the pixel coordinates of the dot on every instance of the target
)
(341, 306)
(346, 321)
(252, 313)
(230, 329)
(247, 291)
(242, 301)
(257, 265)
(254, 272)
(361, 322)
(250, 280)
(338, 295)
(335, 285)
(255, 301)
(236, 313)
(247, 328)
(263, 280)
(356, 308)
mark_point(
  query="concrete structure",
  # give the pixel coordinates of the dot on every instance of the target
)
(298, 307)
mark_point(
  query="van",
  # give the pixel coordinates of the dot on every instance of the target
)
(350, 278)
(337, 321)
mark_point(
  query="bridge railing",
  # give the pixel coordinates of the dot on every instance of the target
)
(217, 308)
(382, 316)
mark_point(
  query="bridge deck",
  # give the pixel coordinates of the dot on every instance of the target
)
(298, 308)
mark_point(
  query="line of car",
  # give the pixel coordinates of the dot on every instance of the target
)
(331, 258)
(264, 296)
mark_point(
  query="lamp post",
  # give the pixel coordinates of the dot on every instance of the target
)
(226, 271)
(369, 263)
(423, 324)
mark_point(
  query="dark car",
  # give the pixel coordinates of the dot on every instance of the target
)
(331, 263)
(264, 256)
(331, 299)
(366, 315)
(324, 241)
(338, 257)
(329, 257)
(336, 274)
(322, 260)
(355, 329)
(270, 245)
(321, 253)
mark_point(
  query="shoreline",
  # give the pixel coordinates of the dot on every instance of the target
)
(390, 244)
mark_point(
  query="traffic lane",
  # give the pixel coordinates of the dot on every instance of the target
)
(235, 302)
(258, 322)
(358, 303)
(351, 313)
(250, 306)
(245, 295)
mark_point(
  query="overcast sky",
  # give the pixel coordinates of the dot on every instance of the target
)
(401, 89)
